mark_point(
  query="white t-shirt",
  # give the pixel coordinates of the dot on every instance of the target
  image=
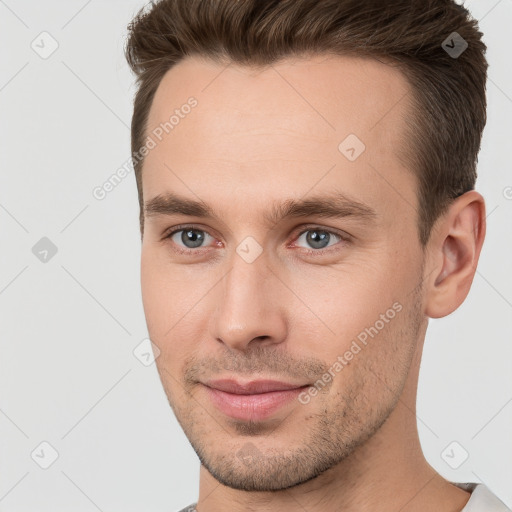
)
(481, 500)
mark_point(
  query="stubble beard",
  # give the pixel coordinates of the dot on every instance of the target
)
(260, 456)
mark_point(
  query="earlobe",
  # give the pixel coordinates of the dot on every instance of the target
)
(454, 250)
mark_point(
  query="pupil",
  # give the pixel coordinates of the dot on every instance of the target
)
(317, 240)
(193, 236)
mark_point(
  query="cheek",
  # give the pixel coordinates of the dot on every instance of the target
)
(153, 296)
(172, 309)
(164, 286)
(338, 306)
(163, 296)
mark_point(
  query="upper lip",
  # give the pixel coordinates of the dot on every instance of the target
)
(250, 388)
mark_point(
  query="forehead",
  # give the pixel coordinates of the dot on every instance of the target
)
(285, 127)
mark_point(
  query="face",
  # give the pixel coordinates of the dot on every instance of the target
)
(280, 261)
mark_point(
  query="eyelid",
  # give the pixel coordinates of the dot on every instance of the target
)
(183, 227)
(343, 235)
(311, 227)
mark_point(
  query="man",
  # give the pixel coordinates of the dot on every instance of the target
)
(306, 176)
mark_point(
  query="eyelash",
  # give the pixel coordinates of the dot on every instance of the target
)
(312, 252)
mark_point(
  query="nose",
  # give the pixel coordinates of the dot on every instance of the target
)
(251, 306)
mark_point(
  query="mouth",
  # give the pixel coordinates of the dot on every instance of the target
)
(254, 400)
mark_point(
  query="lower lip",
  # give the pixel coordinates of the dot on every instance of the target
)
(255, 407)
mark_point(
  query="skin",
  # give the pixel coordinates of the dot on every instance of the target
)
(259, 136)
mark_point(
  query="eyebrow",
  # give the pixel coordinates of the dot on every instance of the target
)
(328, 205)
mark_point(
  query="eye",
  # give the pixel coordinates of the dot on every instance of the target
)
(319, 238)
(190, 237)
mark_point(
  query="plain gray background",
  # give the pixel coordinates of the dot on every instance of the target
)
(69, 325)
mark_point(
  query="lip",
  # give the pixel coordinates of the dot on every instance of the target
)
(254, 400)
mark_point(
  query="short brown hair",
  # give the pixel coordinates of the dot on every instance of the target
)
(448, 105)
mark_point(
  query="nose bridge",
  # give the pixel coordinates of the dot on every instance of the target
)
(248, 305)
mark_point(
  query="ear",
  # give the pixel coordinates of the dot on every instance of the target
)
(453, 252)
